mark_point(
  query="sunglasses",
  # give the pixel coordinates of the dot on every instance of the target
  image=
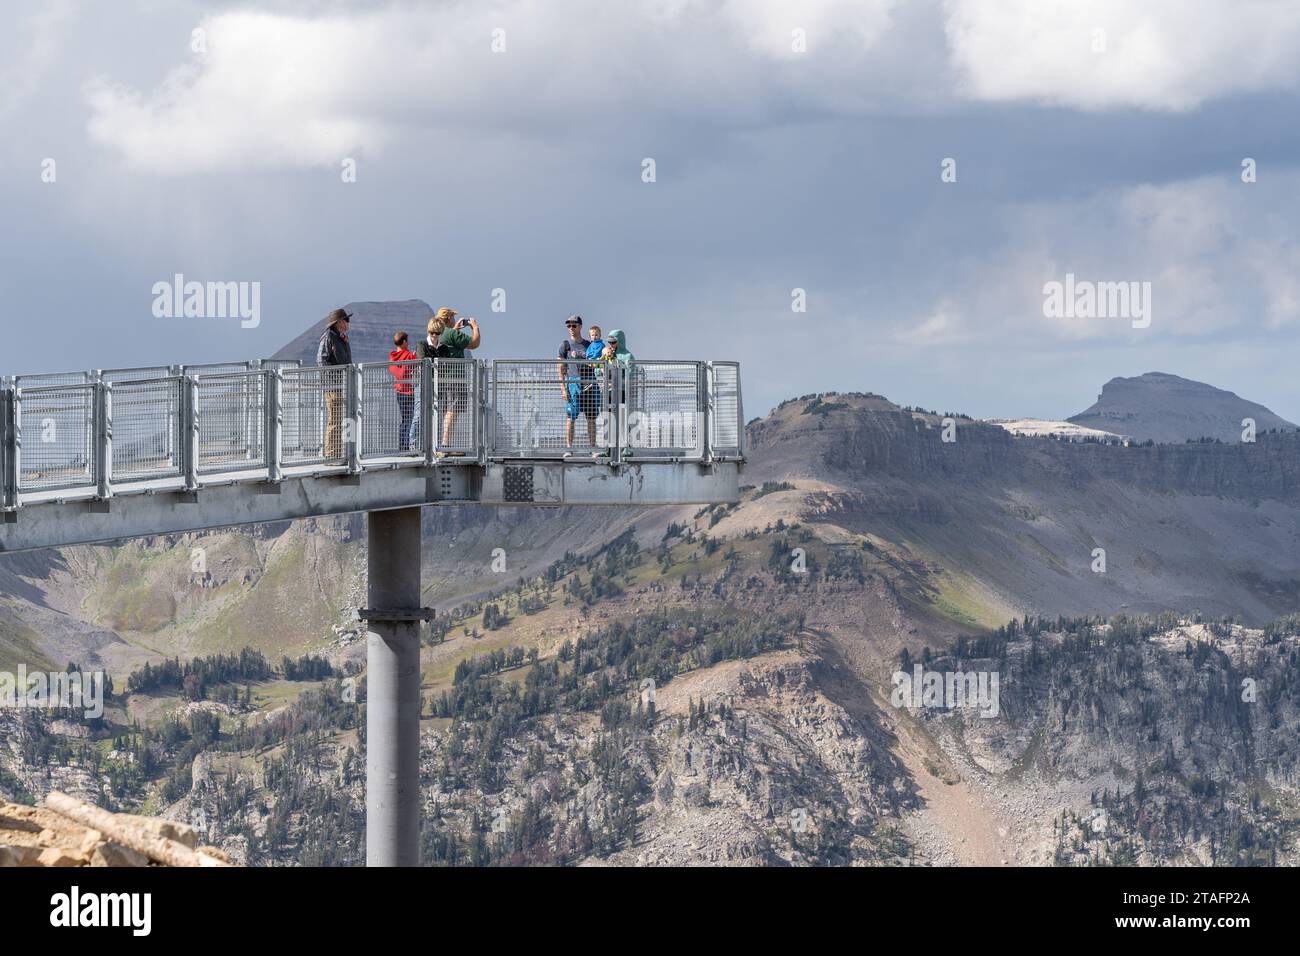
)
(573, 325)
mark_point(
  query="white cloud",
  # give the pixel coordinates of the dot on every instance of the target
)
(270, 91)
(1221, 257)
(943, 326)
(767, 26)
(303, 89)
(1158, 54)
(276, 90)
(36, 47)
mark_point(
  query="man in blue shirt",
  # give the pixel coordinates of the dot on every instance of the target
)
(578, 383)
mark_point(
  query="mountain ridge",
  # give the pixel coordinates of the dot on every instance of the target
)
(1166, 408)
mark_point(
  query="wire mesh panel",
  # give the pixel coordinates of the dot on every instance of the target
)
(314, 404)
(726, 424)
(456, 407)
(147, 429)
(58, 434)
(141, 374)
(664, 413)
(551, 408)
(231, 417)
(390, 404)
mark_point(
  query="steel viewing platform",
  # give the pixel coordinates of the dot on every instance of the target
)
(97, 456)
(120, 453)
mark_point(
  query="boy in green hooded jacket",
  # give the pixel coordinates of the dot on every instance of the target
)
(616, 348)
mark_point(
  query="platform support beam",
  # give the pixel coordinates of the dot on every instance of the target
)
(393, 689)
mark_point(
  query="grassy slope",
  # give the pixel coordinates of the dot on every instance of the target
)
(18, 642)
(280, 598)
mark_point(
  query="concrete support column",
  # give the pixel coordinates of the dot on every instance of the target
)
(393, 689)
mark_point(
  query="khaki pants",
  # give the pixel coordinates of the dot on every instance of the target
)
(333, 430)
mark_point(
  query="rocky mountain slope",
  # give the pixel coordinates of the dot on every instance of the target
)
(1160, 407)
(1162, 741)
(1016, 523)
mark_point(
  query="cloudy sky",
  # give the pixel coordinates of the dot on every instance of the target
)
(503, 144)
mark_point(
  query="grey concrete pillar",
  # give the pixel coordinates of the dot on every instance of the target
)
(393, 690)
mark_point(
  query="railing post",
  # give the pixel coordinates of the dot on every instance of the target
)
(252, 420)
(16, 444)
(428, 429)
(740, 417)
(490, 431)
(190, 431)
(352, 420)
(618, 436)
(605, 424)
(103, 421)
(8, 484)
(88, 435)
(173, 418)
(274, 423)
(707, 423)
(480, 431)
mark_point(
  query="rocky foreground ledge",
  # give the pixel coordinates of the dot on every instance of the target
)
(71, 832)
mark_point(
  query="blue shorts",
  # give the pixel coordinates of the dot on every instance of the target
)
(584, 398)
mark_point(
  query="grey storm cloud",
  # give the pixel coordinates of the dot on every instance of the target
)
(796, 146)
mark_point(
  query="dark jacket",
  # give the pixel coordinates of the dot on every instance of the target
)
(425, 350)
(334, 349)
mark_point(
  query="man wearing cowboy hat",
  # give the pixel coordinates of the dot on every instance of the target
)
(333, 350)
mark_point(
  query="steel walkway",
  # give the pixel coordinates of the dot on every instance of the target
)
(119, 453)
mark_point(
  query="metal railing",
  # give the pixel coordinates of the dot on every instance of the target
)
(455, 425)
(55, 433)
(666, 410)
(726, 415)
(122, 431)
(392, 395)
(146, 429)
(310, 399)
(228, 419)
(552, 408)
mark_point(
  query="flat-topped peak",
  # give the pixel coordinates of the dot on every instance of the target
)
(370, 332)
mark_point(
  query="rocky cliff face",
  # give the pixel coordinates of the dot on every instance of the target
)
(1165, 408)
(871, 439)
(1135, 745)
(1203, 525)
(767, 771)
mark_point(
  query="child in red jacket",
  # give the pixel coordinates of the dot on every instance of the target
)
(404, 386)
